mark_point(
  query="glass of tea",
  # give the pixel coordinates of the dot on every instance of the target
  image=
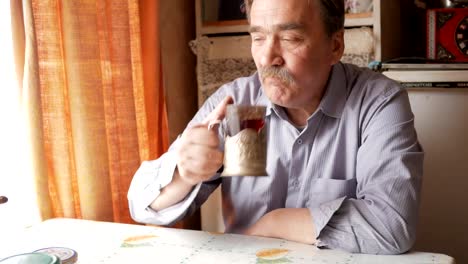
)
(245, 143)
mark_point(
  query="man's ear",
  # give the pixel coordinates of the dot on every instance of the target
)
(338, 46)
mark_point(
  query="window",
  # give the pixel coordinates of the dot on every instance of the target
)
(16, 181)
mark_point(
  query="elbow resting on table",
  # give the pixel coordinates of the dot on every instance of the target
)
(136, 214)
(398, 235)
(391, 235)
(401, 246)
(382, 246)
(142, 215)
(397, 242)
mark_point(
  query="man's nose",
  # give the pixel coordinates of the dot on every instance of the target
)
(272, 54)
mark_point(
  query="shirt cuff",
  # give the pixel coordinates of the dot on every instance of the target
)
(146, 186)
(173, 213)
(322, 214)
(160, 177)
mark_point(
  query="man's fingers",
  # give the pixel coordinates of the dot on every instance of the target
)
(199, 167)
(220, 111)
(203, 155)
(200, 135)
(198, 154)
(199, 163)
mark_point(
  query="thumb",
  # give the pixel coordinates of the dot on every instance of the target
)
(219, 112)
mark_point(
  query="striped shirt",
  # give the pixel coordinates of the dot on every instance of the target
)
(356, 165)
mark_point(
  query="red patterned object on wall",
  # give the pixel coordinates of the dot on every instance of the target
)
(447, 34)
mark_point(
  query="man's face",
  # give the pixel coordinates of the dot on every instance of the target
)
(291, 50)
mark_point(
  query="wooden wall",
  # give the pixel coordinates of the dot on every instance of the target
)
(177, 25)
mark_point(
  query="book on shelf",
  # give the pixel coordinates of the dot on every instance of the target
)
(420, 63)
(435, 84)
(430, 78)
(423, 66)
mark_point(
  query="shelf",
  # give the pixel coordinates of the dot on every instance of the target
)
(359, 19)
(227, 26)
(224, 23)
(242, 26)
(428, 75)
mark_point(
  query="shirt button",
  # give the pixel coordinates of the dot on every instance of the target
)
(299, 141)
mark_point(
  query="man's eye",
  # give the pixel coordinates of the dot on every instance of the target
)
(290, 39)
(257, 39)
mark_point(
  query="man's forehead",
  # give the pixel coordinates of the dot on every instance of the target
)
(277, 6)
(296, 3)
(280, 13)
(277, 27)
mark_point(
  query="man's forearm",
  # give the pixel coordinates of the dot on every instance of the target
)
(293, 224)
(171, 194)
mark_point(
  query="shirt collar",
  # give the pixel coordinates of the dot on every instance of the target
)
(333, 101)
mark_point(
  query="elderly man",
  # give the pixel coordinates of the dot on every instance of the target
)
(343, 161)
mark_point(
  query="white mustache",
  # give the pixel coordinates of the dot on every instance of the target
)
(279, 73)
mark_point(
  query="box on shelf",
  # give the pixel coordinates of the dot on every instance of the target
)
(447, 34)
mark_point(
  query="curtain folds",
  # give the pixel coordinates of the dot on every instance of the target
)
(93, 97)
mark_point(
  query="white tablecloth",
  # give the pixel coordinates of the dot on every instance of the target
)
(102, 242)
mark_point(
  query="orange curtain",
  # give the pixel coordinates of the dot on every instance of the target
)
(93, 98)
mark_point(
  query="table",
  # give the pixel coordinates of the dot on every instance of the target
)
(104, 242)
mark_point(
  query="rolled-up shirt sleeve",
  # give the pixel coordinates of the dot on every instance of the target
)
(146, 186)
(154, 175)
(382, 217)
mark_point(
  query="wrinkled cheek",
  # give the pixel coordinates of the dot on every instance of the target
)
(256, 56)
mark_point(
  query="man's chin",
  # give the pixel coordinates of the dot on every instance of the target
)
(277, 97)
(277, 91)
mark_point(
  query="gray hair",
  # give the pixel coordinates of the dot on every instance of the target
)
(332, 12)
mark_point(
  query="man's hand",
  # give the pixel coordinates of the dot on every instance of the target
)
(198, 159)
(198, 154)
(293, 224)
